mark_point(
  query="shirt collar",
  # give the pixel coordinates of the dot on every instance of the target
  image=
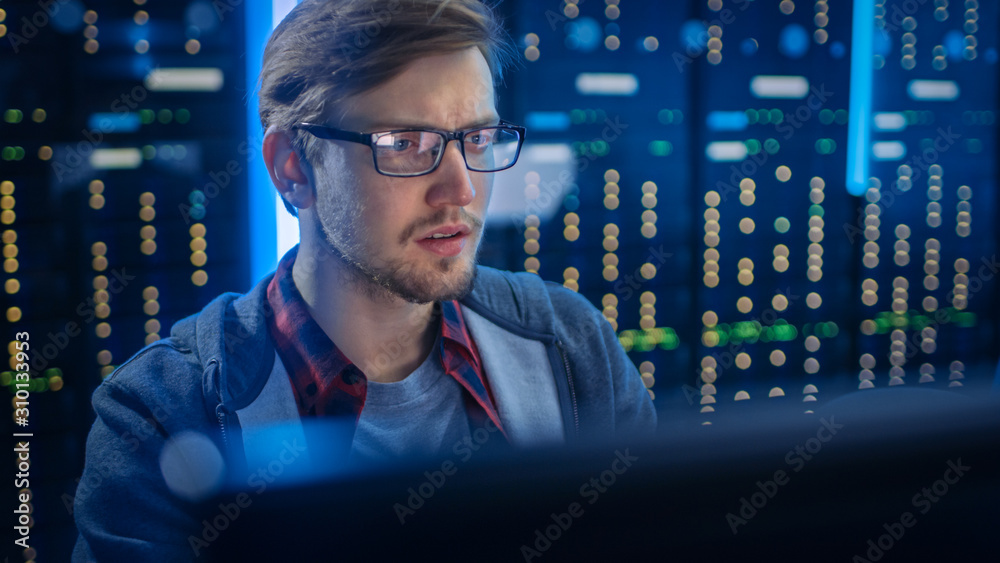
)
(316, 367)
(325, 381)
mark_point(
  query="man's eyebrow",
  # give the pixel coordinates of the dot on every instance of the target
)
(393, 125)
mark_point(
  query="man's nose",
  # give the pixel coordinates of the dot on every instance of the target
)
(453, 184)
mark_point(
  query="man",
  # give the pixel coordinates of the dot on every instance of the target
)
(379, 320)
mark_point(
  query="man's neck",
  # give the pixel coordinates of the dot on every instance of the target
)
(384, 335)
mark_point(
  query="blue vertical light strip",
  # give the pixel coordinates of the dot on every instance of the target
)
(860, 115)
(262, 222)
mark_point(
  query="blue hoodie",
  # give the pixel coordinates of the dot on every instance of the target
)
(203, 400)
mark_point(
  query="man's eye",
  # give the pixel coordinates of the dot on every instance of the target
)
(395, 143)
(480, 139)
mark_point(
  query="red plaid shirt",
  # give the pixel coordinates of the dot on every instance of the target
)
(326, 383)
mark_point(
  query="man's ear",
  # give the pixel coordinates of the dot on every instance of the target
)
(287, 172)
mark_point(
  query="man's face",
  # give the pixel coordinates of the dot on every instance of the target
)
(381, 225)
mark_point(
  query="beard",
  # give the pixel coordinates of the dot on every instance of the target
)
(444, 279)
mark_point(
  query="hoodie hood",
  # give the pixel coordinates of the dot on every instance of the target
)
(230, 338)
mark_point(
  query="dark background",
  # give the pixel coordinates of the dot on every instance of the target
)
(71, 229)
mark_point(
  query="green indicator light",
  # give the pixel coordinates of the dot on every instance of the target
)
(745, 331)
(825, 146)
(965, 320)
(660, 148)
(13, 116)
(782, 224)
(784, 333)
(671, 342)
(766, 334)
(723, 337)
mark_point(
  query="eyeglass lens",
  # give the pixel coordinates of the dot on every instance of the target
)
(413, 152)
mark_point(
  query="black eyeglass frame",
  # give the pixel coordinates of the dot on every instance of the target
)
(370, 139)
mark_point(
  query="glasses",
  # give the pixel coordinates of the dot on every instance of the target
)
(415, 152)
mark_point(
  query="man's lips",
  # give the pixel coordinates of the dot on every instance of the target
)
(450, 245)
(448, 230)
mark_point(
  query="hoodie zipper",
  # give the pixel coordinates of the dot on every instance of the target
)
(220, 413)
(572, 387)
(220, 410)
